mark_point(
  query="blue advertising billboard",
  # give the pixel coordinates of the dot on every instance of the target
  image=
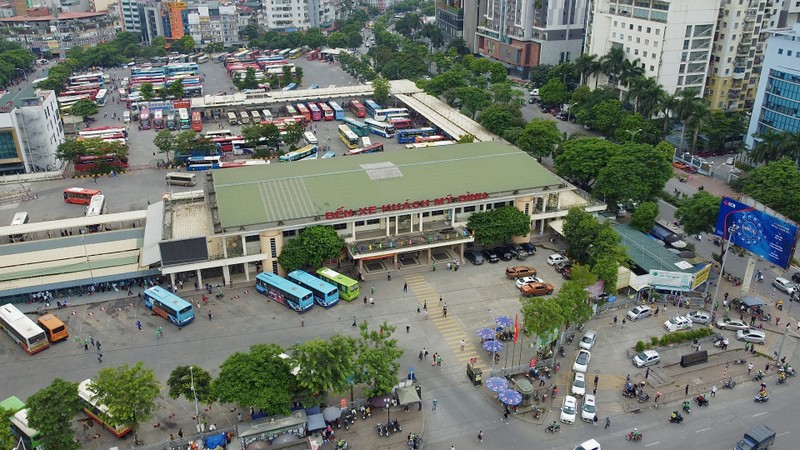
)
(757, 232)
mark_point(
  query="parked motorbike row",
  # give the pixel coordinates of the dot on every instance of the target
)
(388, 429)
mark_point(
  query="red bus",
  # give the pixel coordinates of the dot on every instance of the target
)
(401, 123)
(358, 109)
(80, 196)
(327, 111)
(303, 111)
(197, 121)
(225, 143)
(316, 114)
(90, 162)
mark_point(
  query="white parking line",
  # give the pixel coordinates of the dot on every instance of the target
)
(704, 429)
(759, 414)
(653, 443)
(783, 434)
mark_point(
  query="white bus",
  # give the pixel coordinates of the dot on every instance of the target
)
(97, 206)
(202, 59)
(380, 128)
(183, 114)
(256, 116)
(20, 218)
(181, 179)
(266, 114)
(244, 117)
(22, 329)
(232, 118)
(101, 97)
(310, 138)
(210, 134)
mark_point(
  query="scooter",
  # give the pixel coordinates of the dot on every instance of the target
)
(395, 426)
(561, 351)
(687, 407)
(721, 343)
(382, 431)
(759, 376)
(644, 398)
(571, 338)
(553, 427)
(634, 437)
(676, 417)
(761, 398)
(342, 445)
(701, 400)
(729, 384)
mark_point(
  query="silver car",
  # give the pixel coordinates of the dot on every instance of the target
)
(700, 317)
(588, 340)
(728, 324)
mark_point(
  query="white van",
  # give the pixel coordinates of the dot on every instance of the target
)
(244, 117)
(126, 117)
(232, 118)
(365, 142)
(181, 179)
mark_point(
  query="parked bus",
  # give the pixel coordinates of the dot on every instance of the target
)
(325, 294)
(30, 438)
(284, 291)
(303, 111)
(97, 411)
(196, 163)
(401, 123)
(244, 118)
(232, 119)
(79, 196)
(358, 109)
(202, 59)
(256, 116)
(384, 114)
(22, 330)
(266, 115)
(347, 136)
(181, 179)
(20, 218)
(290, 110)
(210, 134)
(409, 136)
(105, 162)
(93, 77)
(374, 148)
(431, 144)
(327, 111)
(348, 287)
(101, 97)
(158, 119)
(100, 131)
(144, 118)
(226, 143)
(310, 138)
(97, 206)
(316, 114)
(309, 151)
(371, 107)
(55, 329)
(359, 128)
(380, 128)
(169, 306)
(338, 112)
(183, 117)
(197, 121)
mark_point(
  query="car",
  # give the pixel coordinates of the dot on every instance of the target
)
(556, 258)
(782, 284)
(474, 257)
(588, 340)
(728, 324)
(678, 323)
(534, 91)
(528, 247)
(511, 249)
(757, 336)
(589, 409)
(531, 100)
(582, 361)
(535, 289)
(490, 255)
(796, 277)
(700, 317)
(520, 271)
(579, 384)
(503, 253)
(729, 161)
(639, 312)
(591, 444)
(679, 165)
(566, 272)
(522, 254)
(646, 358)
(569, 408)
(563, 265)
(620, 210)
(528, 280)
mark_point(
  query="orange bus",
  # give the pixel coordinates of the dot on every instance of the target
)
(303, 111)
(197, 121)
(80, 196)
(53, 328)
(358, 109)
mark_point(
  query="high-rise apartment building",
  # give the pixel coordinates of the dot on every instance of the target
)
(450, 18)
(30, 131)
(671, 39)
(523, 34)
(777, 102)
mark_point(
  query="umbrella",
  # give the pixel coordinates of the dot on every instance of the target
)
(510, 397)
(485, 333)
(331, 413)
(504, 321)
(407, 395)
(492, 346)
(497, 384)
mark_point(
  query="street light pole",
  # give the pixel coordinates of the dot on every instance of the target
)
(388, 411)
(196, 408)
(634, 133)
(731, 230)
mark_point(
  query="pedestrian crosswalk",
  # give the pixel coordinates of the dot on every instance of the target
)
(448, 327)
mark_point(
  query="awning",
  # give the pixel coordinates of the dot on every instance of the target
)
(316, 422)
(557, 226)
(407, 395)
(752, 301)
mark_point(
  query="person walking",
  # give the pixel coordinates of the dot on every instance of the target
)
(180, 433)
(647, 373)
(623, 322)
(714, 390)
(615, 320)
(85, 345)
(686, 391)
(408, 328)
(434, 402)
(480, 436)
(749, 367)
(608, 422)
(594, 421)
(100, 358)
(405, 287)
(596, 380)
(139, 325)
(354, 321)
(209, 314)
(462, 345)
(658, 396)
(777, 321)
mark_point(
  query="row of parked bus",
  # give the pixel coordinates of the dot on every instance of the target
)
(243, 118)
(300, 290)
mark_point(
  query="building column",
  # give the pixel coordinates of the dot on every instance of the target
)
(353, 230)
(558, 201)
(394, 261)
(420, 222)
(361, 268)
(247, 271)
(200, 278)
(244, 246)
(396, 225)
(453, 217)
(172, 281)
(226, 274)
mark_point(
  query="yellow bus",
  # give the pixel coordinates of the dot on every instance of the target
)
(53, 327)
(347, 136)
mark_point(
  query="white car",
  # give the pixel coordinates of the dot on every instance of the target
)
(678, 323)
(556, 258)
(588, 340)
(700, 317)
(589, 409)
(569, 409)
(646, 358)
(579, 384)
(528, 280)
(582, 361)
(639, 312)
(755, 336)
(591, 444)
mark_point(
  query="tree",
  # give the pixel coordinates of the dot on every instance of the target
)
(380, 89)
(540, 74)
(587, 65)
(84, 108)
(769, 146)
(777, 185)
(645, 216)
(147, 92)
(505, 93)
(635, 128)
(554, 92)
(312, 246)
(176, 89)
(248, 81)
(188, 381)
(574, 302)
(542, 316)
(698, 213)
(607, 269)
(7, 440)
(499, 117)
(581, 160)
(685, 108)
(164, 142)
(499, 225)
(473, 99)
(539, 138)
(130, 393)
(325, 366)
(189, 141)
(580, 229)
(272, 135)
(637, 172)
(51, 412)
(608, 115)
(260, 378)
(377, 363)
(466, 139)
(582, 275)
(294, 133)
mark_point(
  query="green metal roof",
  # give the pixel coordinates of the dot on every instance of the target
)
(649, 254)
(309, 189)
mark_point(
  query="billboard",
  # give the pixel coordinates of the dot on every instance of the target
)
(671, 281)
(757, 232)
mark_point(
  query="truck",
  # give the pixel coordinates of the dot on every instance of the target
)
(757, 438)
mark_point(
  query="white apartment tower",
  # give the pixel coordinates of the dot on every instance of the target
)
(672, 39)
(296, 15)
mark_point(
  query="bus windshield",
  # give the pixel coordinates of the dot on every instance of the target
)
(348, 287)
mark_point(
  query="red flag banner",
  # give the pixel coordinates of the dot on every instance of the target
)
(516, 328)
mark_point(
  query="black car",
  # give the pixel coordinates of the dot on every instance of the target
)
(528, 247)
(796, 277)
(474, 257)
(504, 253)
(490, 255)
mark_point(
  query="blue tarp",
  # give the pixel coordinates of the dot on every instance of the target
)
(312, 410)
(316, 422)
(217, 440)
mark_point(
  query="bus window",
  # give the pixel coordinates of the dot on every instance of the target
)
(181, 179)
(20, 218)
(53, 327)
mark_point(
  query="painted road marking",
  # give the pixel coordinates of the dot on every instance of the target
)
(783, 434)
(759, 414)
(653, 443)
(704, 429)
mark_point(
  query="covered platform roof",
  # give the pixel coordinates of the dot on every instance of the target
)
(649, 254)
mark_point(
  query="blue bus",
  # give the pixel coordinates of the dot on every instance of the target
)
(359, 128)
(290, 87)
(284, 291)
(168, 305)
(371, 107)
(195, 163)
(409, 136)
(338, 112)
(309, 151)
(325, 294)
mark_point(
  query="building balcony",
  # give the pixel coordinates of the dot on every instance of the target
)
(738, 75)
(375, 244)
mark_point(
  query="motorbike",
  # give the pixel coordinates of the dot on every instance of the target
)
(644, 398)
(759, 376)
(348, 420)
(676, 417)
(342, 445)
(353, 414)
(729, 384)
(780, 306)
(760, 277)
(536, 396)
(365, 413)
(761, 398)
(571, 338)
(553, 427)
(740, 361)
(789, 371)
(686, 407)
(701, 400)
(535, 411)
(382, 430)
(721, 343)
(634, 437)
(561, 351)
(395, 426)
(781, 378)
(765, 317)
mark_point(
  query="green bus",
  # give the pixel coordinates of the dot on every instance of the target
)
(19, 425)
(348, 287)
(359, 128)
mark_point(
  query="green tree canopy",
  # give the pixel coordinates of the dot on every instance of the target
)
(164, 142)
(777, 185)
(581, 160)
(72, 149)
(607, 269)
(311, 247)
(698, 213)
(260, 378)
(51, 412)
(638, 172)
(645, 216)
(380, 89)
(294, 133)
(325, 366)
(84, 108)
(378, 360)
(7, 440)
(147, 91)
(499, 117)
(608, 115)
(182, 379)
(542, 315)
(176, 89)
(539, 138)
(554, 92)
(574, 302)
(130, 393)
(499, 225)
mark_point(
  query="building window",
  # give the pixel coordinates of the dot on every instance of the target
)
(373, 221)
(780, 51)
(359, 223)
(636, 51)
(7, 147)
(252, 238)
(658, 32)
(289, 233)
(788, 53)
(469, 209)
(340, 226)
(275, 266)
(273, 248)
